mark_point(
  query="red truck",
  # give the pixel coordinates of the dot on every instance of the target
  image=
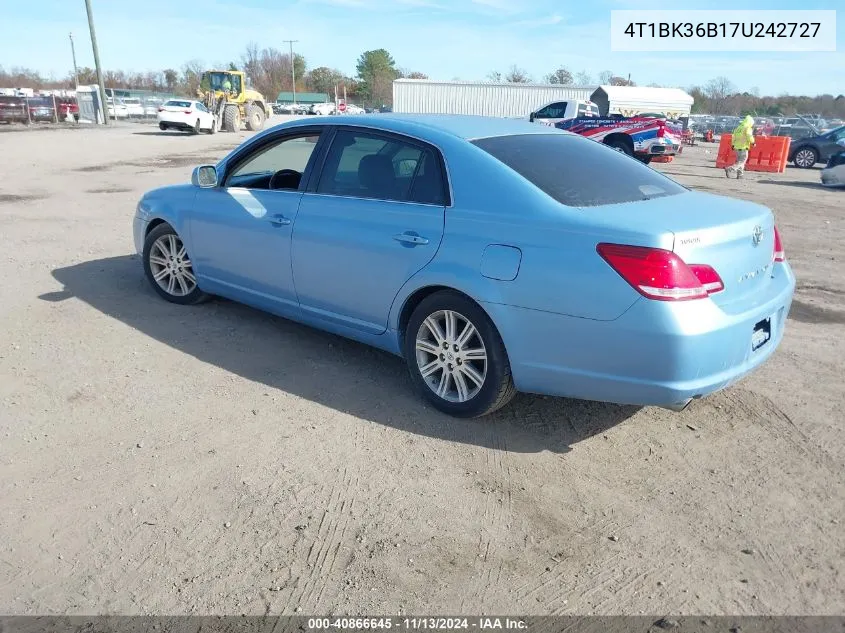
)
(68, 107)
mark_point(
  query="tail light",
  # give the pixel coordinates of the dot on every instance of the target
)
(661, 130)
(778, 255)
(660, 274)
(188, 111)
(161, 109)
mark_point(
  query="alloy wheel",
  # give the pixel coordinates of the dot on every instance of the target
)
(171, 267)
(451, 356)
(805, 158)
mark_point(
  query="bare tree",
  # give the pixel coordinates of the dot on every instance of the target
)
(517, 75)
(605, 76)
(583, 78)
(561, 76)
(494, 75)
(717, 91)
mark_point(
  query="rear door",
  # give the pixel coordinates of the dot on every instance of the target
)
(372, 219)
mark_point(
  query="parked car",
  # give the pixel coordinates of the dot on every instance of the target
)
(117, 110)
(151, 107)
(351, 108)
(68, 108)
(186, 115)
(134, 107)
(808, 151)
(564, 268)
(41, 109)
(13, 110)
(322, 109)
(833, 175)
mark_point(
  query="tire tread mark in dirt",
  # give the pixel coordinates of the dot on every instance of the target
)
(329, 539)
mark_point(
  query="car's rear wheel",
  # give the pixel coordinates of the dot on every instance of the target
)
(805, 157)
(169, 268)
(621, 146)
(456, 357)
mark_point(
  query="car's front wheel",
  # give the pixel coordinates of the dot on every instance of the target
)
(456, 357)
(169, 268)
(805, 157)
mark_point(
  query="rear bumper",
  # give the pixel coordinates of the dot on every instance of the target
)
(657, 353)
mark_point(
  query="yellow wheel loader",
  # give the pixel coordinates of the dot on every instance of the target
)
(226, 96)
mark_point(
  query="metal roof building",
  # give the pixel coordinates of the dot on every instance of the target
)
(303, 97)
(424, 96)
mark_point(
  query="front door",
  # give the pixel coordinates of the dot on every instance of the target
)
(241, 230)
(374, 219)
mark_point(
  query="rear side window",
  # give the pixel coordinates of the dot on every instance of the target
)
(579, 172)
(366, 165)
(552, 111)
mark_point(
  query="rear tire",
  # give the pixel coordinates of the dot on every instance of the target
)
(645, 160)
(462, 369)
(621, 146)
(254, 118)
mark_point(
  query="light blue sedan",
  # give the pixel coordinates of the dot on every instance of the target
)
(494, 255)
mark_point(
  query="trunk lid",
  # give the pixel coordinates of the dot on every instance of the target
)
(734, 237)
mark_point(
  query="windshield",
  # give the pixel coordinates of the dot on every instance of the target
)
(579, 172)
(838, 134)
(218, 81)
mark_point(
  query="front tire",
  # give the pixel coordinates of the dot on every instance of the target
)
(162, 127)
(197, 128)
(232, 119)
(805, 158)
(168, 267)
(456, 357)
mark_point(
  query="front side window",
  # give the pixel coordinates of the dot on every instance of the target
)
(278, 165)
(366, 165)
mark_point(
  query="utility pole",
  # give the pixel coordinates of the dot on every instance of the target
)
(292, 68)
(97, 64)
(73, 52)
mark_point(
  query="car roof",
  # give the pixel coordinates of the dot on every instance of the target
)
(462, 126)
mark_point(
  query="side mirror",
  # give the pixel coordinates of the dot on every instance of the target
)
(531, 117)
(204, 176)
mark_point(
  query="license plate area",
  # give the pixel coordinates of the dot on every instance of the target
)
(762, 334)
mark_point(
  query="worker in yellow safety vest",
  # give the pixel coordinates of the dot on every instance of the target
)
(742, 139)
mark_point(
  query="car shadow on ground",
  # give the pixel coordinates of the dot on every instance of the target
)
(165, 133)
(326, 369)
(793, 183)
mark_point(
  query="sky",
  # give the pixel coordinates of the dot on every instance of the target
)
(445, 39)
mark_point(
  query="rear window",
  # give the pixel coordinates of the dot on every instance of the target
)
(579, 172)
(178, 104)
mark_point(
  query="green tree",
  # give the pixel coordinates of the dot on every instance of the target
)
(324, 79)
(561, 76)
(376, 72)
(171, 78)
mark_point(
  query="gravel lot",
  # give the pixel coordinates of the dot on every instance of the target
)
(157, 459)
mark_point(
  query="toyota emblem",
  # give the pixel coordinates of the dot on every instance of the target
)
(757, 235)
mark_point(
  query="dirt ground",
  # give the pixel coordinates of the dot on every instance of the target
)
(157, 459)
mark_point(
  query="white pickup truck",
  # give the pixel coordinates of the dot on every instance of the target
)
(643, 137)
(556, 111)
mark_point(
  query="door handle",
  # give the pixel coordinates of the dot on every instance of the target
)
(410, 238)
(279, 220)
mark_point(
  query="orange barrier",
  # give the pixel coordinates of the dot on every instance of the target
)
(768, 154)
(662, 159)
